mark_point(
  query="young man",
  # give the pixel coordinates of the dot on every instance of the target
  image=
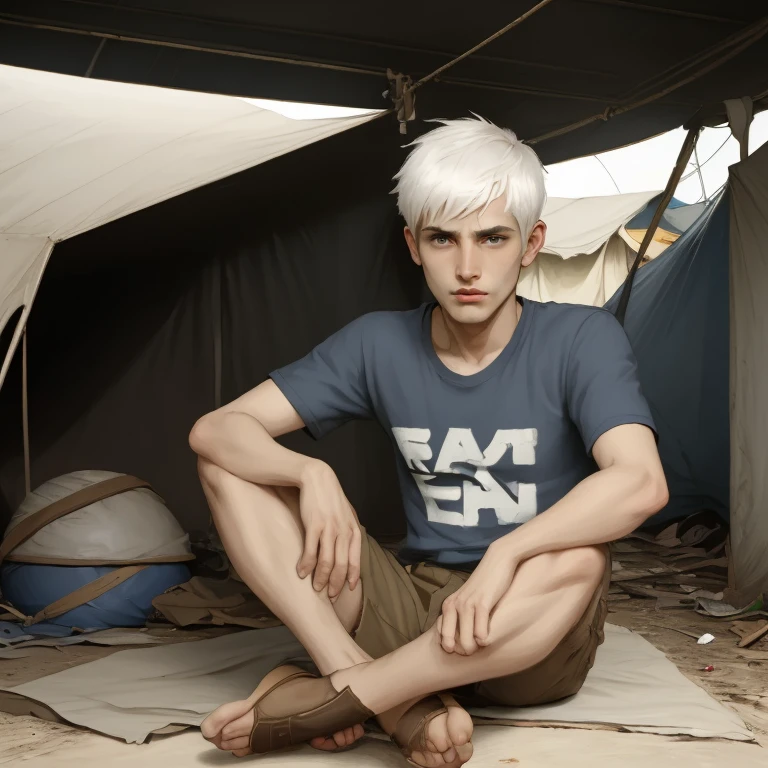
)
(523, 444)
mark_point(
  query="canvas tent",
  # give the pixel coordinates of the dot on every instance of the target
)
(592, 241)
(654, 64)
(146, 322)
(696, 324)
(221, 284)
(105, 150)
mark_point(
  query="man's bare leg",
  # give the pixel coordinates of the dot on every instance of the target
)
(262, 533)
(526, 627)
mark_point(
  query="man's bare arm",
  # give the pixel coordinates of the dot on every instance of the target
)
(628, 489)
(239, 437)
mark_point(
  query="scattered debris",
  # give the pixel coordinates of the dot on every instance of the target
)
(720, 610)
(749, 631)
(705, 639)
(694, 635)
(710, 668)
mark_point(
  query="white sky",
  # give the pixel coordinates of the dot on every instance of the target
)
(646, 166)
(639, 168)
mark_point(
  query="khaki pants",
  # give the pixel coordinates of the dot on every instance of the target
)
(400, 604)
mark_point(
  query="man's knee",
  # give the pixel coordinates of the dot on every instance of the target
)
(585, 563)
(210, 473)
(216, 479)
(580, 568)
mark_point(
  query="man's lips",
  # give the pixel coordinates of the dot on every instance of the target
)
(470, 296)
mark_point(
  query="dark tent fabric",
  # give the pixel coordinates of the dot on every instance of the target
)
(676, 218)
(678, 324)
(121, 339)
(570, 61)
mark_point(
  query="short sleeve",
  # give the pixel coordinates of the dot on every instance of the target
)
(603, 388)
(327, 387)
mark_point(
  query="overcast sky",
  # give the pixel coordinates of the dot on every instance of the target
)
(646, 166)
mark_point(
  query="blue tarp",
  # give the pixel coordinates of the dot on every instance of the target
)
(30, 588)
(678, 324)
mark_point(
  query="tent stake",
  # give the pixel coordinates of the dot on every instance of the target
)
(682, 160)
(25, 412)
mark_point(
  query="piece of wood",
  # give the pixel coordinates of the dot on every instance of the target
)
(694, 635)
(738, 629)
(718, 562)
(748, 640)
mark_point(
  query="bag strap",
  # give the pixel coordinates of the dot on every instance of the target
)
(77, 500)
(80, 596)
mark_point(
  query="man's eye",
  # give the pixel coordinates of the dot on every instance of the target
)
(496, 239)
(440, 239)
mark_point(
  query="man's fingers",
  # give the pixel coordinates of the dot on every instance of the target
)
(353, 571)
(309, 555)
(467, 628)
(325, 561)
(339, 572)
(481, 623)
(448, 628)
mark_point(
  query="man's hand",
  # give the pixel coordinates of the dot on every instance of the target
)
(331, 532)
(463, 626)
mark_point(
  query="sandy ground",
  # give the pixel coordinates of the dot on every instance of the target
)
(739, 681)
(494, 746)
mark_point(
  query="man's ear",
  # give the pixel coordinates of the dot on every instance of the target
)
(535, 243)
(410, 238)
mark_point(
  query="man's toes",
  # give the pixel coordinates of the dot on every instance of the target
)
(241, 726)
(323, 743)
(339, 739)
(438, 739)
(459, 725)
(342, 738)
(219, 718)
(426, 759)
(241, 742)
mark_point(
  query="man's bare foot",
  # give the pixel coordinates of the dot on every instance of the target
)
(449, 736)
(229, 727)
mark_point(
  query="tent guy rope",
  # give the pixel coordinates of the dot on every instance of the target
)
(519, 20)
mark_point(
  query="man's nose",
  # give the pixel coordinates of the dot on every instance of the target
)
(468, 266)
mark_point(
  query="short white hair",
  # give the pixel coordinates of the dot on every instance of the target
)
(463, 166)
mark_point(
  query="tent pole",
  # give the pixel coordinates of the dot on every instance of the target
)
(674, 179)
(217, 348)
(25, 412)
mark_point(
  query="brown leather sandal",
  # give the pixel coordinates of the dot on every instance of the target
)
(300, 707)
(410, 733)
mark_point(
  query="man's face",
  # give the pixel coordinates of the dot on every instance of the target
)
(472, 264)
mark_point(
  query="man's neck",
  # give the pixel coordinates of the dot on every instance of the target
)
(478, 344)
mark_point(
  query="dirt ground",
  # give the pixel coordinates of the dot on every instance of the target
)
(740, 676)
(739, 680)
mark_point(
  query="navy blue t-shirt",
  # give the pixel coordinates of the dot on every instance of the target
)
(477, 455)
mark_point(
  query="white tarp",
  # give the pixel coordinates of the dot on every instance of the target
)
(133, 693)
(749, 372)
(77, 153)
(584, 259)
(589, 278)
(584, 224)
(131, 527)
